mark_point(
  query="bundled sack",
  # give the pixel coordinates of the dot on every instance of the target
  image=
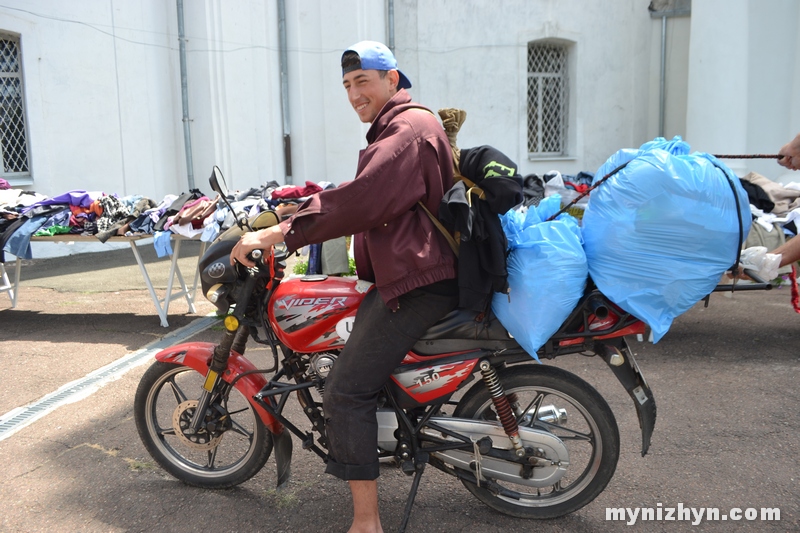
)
(660, 233)
(547, 272)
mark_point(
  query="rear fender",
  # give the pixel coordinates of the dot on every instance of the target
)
(197, 355)
(619, 359)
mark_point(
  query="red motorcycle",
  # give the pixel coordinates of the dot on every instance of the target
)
(528, 440)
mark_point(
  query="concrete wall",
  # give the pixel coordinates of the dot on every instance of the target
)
(676, 76)
(744, 78)
(100, 94)
(462, 54)
(103, 95)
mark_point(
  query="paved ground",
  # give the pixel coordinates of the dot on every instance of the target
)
(725, 379)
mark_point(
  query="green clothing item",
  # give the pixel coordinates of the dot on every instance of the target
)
(52, 230)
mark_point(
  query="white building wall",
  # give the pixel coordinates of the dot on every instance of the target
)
(473, 55)
(98, 94)
(326, 132)
(234, 92)
(743, 80)
(773, 114)
(103, 92)
(676, 76)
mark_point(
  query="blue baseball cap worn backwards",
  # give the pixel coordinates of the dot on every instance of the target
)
(376, 56)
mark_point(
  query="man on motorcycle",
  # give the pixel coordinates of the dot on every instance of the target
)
(397, 247)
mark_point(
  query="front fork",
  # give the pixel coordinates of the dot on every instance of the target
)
(235, 339)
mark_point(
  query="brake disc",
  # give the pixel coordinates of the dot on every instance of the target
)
(182, 420)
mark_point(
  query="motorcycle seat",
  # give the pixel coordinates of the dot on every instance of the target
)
(462, 330)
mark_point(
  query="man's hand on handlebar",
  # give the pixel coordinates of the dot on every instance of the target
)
(263, 239)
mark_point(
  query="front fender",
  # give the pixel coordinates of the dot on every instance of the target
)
(197, 355)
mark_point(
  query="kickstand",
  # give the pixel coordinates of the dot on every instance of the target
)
(419, 466)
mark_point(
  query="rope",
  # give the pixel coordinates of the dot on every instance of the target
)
(604, 178)
(750, 156)
(587, 191)
(795, 295)
(735, 268)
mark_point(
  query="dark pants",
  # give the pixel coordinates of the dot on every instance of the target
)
(379, 341)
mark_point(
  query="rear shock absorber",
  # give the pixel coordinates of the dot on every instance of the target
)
(502, 406)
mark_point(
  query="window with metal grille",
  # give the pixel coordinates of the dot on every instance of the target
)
(13, 135)
(547, 99)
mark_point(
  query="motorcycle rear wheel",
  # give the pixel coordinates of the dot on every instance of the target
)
(231, 457)
(590, 435)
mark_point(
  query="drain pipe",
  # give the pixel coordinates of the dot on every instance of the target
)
(390, 17)
(187, 134)
(664, 9)
(284, 63)
(662, 98)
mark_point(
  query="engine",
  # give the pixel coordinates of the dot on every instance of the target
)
(319, 367)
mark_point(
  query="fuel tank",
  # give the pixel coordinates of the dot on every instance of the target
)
(316, 313)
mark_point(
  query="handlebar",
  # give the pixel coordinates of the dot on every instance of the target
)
(262, 260)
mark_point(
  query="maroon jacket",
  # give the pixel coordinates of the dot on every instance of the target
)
(397, 247)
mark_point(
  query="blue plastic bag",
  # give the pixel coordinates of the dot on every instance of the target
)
(546, 273)
(660, 233)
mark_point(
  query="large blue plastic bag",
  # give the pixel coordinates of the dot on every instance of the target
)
(660, 233)
(547, 273)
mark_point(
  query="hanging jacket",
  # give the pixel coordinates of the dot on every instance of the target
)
(475, 215)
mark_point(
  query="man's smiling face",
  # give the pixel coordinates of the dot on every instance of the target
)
(368, 92)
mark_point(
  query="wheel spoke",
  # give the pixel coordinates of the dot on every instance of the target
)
(489, 415)
(535, 404)
(575, 435)
(212, 455)
(236, 427)
(167, 431)
(180, 397)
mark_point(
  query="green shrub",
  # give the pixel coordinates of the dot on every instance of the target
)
(301, 267)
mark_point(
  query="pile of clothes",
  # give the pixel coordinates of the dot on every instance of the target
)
(24, 214)
(775, 209)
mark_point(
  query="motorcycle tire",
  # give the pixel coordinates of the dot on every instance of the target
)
(589, 432)
(220, 460)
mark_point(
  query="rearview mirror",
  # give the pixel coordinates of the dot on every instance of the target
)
(218, 185)
(217, 182)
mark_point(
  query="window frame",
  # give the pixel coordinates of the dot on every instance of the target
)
(564, 100)
(20, 75)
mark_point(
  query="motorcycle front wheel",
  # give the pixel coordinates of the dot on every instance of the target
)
(566, 406)
(231, 448)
